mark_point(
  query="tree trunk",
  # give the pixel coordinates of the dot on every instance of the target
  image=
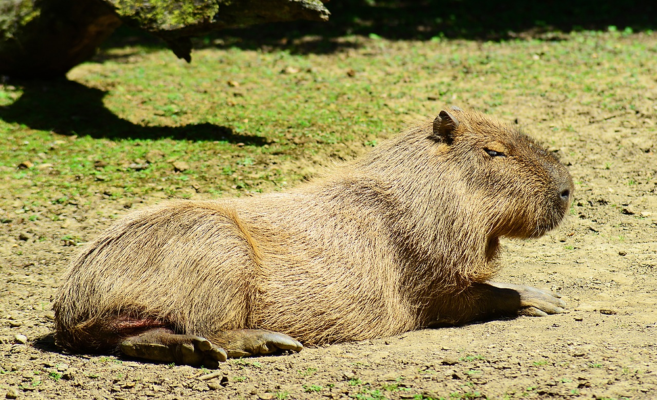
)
(46, 38)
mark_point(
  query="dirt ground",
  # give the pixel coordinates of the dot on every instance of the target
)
(602, 259)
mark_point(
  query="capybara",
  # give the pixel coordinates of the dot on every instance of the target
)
(404, 238)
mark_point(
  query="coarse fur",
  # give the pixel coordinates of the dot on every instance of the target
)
(388, 243)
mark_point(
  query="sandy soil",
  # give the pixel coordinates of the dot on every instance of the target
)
(603, 260)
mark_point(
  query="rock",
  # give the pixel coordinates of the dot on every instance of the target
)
(25, 165)
(607, 311)
(62, 367)
(69, 375)
(450, 361)
(138, 167)
(348, 375)
(622, 253)
(154, 156)
(456, 375)
(629, 210)
(23, 236)
(11, 393)
(180, 166)
(578, 353)
(20, 339)
(98, 164)
(290, 70)
(15, 324)
(214, 384)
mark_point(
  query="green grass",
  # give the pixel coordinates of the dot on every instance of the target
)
(113, 132)
(312, 388)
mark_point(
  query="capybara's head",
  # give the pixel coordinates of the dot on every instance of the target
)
(522, 189)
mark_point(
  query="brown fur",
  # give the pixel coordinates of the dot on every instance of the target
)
(386, 244)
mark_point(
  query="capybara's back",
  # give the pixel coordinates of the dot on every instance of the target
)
(402, 238)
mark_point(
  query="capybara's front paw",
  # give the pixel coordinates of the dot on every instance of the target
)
(535, 302)
(167, 347)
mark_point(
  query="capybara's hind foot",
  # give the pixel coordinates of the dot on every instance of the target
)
(535, 302)
(165, 346)
(252, 342)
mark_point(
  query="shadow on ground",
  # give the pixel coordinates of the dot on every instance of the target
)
(70, 108)
(424, 20)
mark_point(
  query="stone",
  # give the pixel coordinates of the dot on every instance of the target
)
(20, 339)
(154, 156)
(450, 361)
(11, 393)
(180, 166)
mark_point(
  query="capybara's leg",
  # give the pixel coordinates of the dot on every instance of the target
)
(484, 301)
(161, 344)
(534, 302)
(251, 342)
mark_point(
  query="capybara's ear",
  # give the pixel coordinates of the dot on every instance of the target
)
(444, 126)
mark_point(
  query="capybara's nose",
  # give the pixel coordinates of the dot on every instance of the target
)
(565, 191)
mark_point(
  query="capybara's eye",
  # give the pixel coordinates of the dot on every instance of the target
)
(494, 153)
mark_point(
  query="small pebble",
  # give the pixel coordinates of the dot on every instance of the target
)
(607, 311)
(15, 324)
(348, 375)
(11, 393)
(214, 384)
(579, 319)
(450, 361)
(629, 210)
(154, 156)
(180, 166)
(21, 339)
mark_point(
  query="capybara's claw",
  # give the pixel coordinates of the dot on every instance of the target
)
(251, 342)
(283, 342)
(168, 347)
(532, 312)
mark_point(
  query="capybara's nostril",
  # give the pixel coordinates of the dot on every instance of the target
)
(565, 195)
